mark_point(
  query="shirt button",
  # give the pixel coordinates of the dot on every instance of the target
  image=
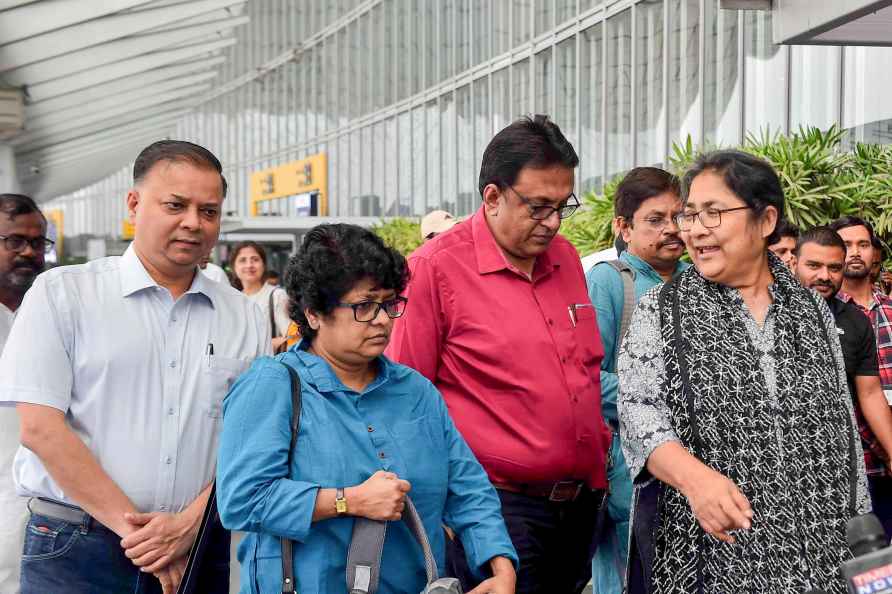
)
(381, 455)
(370, 428)
(550, 322)
(563, 359)
(163, 508)
(168, 460)
(170, 411)
(173, 364)
(173, 319)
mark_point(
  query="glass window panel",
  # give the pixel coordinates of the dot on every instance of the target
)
(465, 151)
(619, 93)
(462, 35)
(345, 78)
(501, 100)
(448, 162)
(388, 56)
(480, 25)
(501, 12)
(419, 168)
(565, 97)
(405, 162)
(544, 72)
(434, 41)
(368, 206)
(684, 70)
(447, 44)
(365, 67)
(334, 178)
(419, 51)
(815, 86)
(650, 117)
(544, 16)
(520, 89)
(391, 167)
(355, 64)
(378, 70)
(566, 10)
(355, 172)
(404, 64)
(379, 158)
(722, 84)
(521, 16)
(310, 90)
(434, 186)
(766, 74)
(867, 89)
(330, 107)
(481, 127)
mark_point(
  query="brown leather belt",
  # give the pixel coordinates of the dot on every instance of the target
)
(559, 492)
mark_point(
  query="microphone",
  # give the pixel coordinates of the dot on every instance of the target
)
(870, 572)
(817, 591)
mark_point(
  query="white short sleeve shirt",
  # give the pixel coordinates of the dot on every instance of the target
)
(140, 377)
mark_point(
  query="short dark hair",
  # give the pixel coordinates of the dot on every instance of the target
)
(534, 142)
(852, 221)
(750, 178)
(234, 255)
(785, 228)
(13, 205)
(822, 235)
(639, 185)
(331, 260)
(272, 274)
(176, 151)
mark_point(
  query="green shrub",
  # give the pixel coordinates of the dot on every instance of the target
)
(403, 235)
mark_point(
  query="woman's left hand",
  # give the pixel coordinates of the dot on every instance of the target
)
(503, 580)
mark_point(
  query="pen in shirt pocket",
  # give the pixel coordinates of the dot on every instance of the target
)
(571, 309)
(209, 352)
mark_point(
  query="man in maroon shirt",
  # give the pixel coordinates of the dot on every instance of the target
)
(499, 319)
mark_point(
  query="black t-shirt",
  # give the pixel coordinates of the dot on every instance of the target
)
(859, 345)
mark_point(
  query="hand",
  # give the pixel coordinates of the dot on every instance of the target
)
(159, 538)
(503, 581)
(886, 279)
(381, 497)
(171, 576)
(718, 504)
(278, 342)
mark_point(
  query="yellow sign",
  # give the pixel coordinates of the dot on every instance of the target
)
(296, 177)
(127, 230)
(56, 216)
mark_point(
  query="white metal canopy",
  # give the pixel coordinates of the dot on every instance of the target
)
(103, 78)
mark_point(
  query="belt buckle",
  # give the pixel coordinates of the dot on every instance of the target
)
(564, 491)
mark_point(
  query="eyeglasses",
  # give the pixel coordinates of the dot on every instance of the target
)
(540, 212)
(709, 217)
(17, 243)
(660, 223)
(366, 311)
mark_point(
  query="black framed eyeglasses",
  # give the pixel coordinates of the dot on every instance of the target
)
(366, 311)
(710, 218)
(17, 243)
(540, 212)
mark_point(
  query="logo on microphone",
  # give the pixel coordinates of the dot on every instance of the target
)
(875, 581)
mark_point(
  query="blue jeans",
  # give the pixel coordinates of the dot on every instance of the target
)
(612, 552)
(87, 558)
(881, 498)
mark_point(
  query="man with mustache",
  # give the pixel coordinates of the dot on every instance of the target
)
(500, 321)
(118, 369)
(23, 243)
(644, 207)
(858, 288)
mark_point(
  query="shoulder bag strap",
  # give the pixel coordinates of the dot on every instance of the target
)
(288, 586)
(628, 277)
(274, 332)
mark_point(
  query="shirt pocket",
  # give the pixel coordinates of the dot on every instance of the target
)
(219, 375)
(422, 447)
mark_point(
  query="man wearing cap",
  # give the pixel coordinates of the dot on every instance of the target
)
(500, 321)
(436, 222)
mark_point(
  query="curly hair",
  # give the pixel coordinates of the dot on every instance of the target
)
(329, 263)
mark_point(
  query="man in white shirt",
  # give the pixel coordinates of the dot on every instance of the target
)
(23, 243)
(212, 271)
(118, 368)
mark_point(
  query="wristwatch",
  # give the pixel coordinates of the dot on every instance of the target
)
(340, 502)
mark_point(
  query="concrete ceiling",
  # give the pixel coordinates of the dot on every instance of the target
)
(833, 22)
(102, 78)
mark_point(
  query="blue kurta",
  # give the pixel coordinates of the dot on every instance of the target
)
(399, 423)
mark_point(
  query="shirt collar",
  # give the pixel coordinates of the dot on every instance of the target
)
(135, 278)
(642, 266)
(490, 257)
(323, 376)
(878, 299)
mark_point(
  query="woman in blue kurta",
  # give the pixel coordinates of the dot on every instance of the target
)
(371, 431)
